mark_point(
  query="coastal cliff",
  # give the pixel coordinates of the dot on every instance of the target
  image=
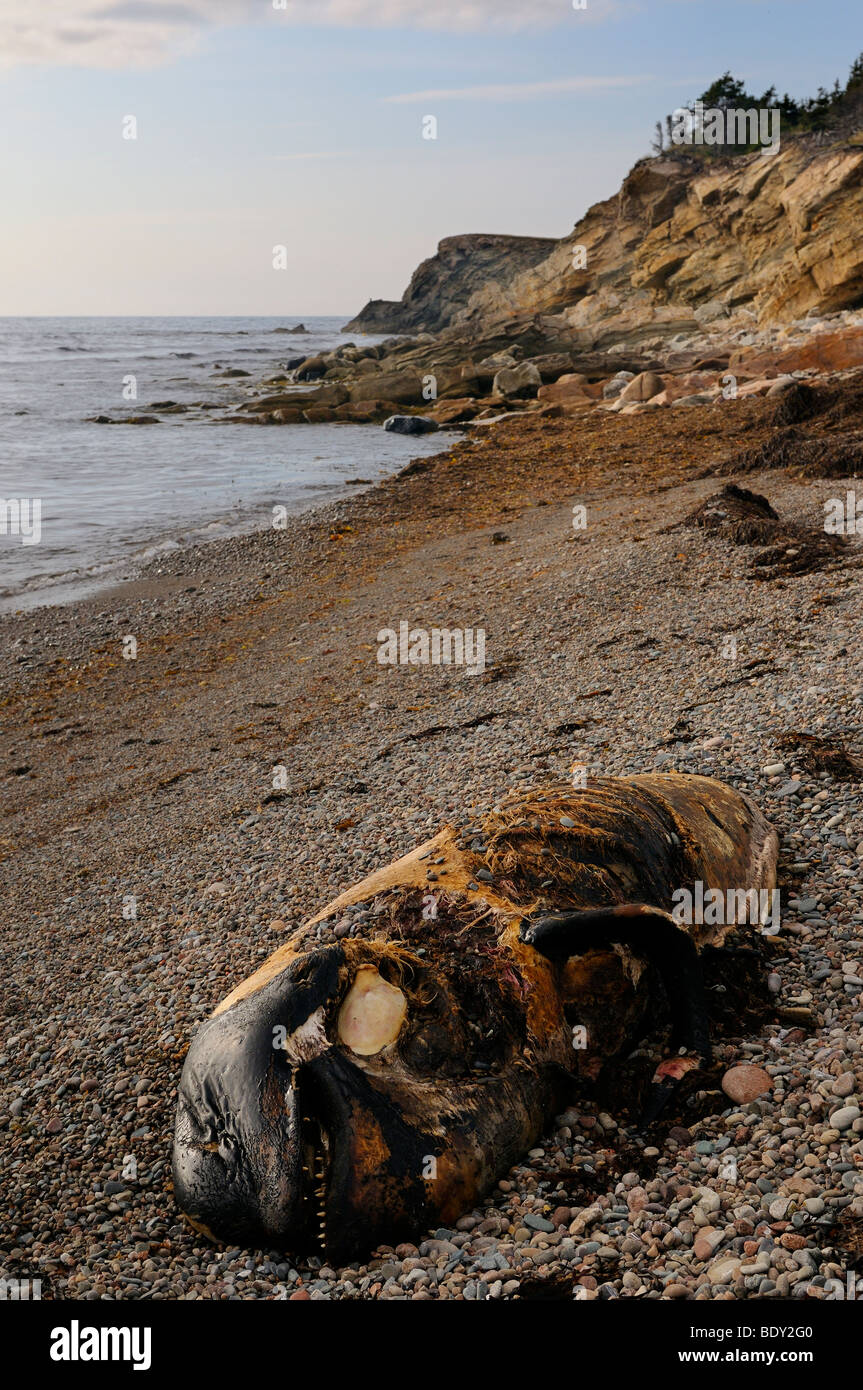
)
(684, 246)
(709, 274)
(441, 286)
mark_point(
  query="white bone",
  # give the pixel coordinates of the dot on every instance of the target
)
(372, 1013)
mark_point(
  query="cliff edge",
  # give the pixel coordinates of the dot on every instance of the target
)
(442, 285)
(684, 247)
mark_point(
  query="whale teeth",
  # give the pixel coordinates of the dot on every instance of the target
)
(315, 1163)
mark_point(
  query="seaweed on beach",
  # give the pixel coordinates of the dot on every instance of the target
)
(843, 402)
(558, 1286)
(798, 550)
(785, 547)
(462, 973)
(798, 403)
(838, 455)
(845, 1237)
(817, 432)
(816, 755)
(747, 518)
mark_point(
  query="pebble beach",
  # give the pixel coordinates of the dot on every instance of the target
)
(174, 805)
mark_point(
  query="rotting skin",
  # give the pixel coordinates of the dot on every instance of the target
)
(415, 1135)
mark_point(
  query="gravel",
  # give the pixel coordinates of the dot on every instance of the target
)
(157, 864)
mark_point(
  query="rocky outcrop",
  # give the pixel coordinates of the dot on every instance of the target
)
(697, 284)
(684, 249)
(442, 286)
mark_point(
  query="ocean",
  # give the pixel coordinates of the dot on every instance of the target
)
(111, 496)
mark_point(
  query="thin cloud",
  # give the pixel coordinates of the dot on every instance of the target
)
(517, 91)
(322, 154)
(145, 33)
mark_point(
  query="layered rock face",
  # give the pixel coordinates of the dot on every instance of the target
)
(685, 247)
(443, 285)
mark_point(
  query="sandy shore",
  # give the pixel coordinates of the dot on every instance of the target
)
(151, 779)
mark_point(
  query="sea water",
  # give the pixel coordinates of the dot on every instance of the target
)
(110, 496)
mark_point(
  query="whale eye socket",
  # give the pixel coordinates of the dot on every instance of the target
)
(372, 1013)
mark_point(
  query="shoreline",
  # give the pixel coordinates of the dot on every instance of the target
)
(82, 586)
(159, 481)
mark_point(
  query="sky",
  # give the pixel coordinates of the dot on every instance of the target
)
(300, 123)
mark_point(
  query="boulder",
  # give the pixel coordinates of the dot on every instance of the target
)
(455, 412)
(333, 393)
(313, 368)
(552, 365)
(448, 381)
(567, 388)
(522, 380)
(826, 352)
(688, 384)
(286, 400)
(611, 389)
(642, 387)
(474, 380)
(761, 386)
(320, 415)
(363, 412)
(496, 362)
(410, 424)
(405, 388)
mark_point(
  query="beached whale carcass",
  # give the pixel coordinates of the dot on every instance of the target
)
(411, 1042)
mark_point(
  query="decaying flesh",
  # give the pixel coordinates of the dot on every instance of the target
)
(363, 1087)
